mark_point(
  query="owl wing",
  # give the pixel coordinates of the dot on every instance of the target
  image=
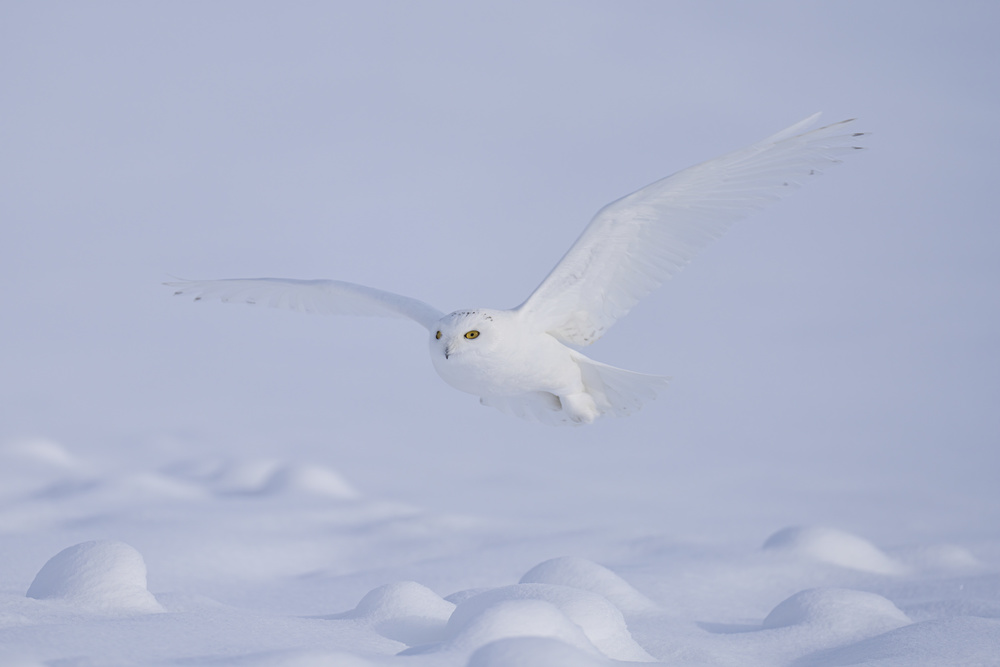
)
(636, 243)
(329, 297)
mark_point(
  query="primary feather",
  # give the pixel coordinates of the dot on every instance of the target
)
(636, 243)
(328, 297)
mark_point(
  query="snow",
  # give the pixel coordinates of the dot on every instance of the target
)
(534, 652)
(829, 545)
(246, 571)
(404, 611)
(99, 575)
(841, 611)
(601, 622)
(203, 485)
(589, 576)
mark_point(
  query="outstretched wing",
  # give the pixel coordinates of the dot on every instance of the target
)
(636, 243)
(330, 297)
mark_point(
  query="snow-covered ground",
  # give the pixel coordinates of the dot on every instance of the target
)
(202, 484)
(206, 561)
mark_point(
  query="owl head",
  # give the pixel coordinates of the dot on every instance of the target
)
(465, 332)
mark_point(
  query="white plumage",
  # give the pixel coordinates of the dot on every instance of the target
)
(523, 361)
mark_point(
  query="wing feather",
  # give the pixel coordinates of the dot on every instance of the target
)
(329, 297)
(636, 243)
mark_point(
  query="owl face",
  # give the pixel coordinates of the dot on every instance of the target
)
(464, 332)
(471, 350)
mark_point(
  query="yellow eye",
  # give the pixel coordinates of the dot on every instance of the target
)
(472, 334)
(438, 335)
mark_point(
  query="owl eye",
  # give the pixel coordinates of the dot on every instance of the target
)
(472, 334)
(438, 335)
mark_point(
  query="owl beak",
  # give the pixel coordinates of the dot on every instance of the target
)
(449, 350)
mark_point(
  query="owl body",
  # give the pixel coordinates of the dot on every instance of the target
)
(527, 372)
(489, 353)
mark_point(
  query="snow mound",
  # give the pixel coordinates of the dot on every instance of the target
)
(152, 485)
(534, 652)
(600, 622)
(461, 596)
(310, 479)
(265, 477)
(838, 610)
(100, 576)
(135, 486)
(509, 618)
(953, 641)
(836, 547)
(589, 576)
(38, 450)
(405, 611)
(296, 658)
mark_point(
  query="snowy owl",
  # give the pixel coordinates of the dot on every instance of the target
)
(526, 361)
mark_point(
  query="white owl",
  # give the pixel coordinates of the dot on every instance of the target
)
(525, 361)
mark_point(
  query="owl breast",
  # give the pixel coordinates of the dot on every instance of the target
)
(501, 359)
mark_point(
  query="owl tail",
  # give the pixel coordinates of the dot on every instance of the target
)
(616, 390)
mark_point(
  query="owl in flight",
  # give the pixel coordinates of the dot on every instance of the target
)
(526, 361)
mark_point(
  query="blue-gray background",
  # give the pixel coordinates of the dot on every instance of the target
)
(834, 360)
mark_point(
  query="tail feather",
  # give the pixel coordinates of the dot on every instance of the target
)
(616, 390)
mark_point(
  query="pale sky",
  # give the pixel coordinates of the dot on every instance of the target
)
(452, 152)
